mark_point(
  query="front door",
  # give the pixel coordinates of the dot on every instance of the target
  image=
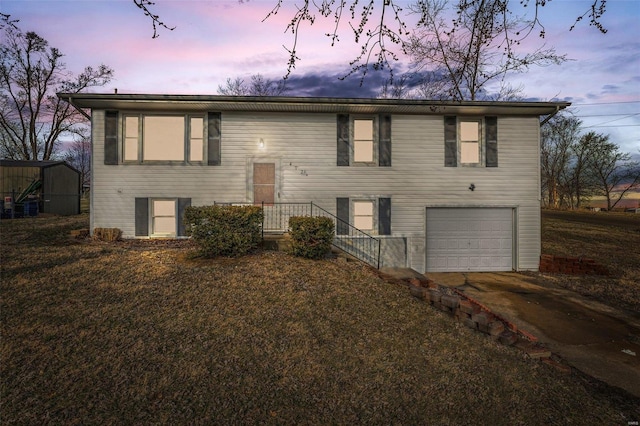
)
(264, 194)
(264, 183)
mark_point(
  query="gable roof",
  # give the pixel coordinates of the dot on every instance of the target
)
(29, 163)
(158, 102)
(36, 163)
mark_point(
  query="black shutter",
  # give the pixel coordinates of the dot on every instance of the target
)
(142, 217)
(111, 137)
(384, 216)
(342, 212)
(384, 140)
(183, 203)
(343, 140)
(491, 138)
(213, 139)
(450, 142)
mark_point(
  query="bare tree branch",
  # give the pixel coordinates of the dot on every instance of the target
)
(145, 5)
(32, 117)
(259, 86)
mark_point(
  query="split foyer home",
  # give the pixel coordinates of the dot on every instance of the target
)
(441, 186)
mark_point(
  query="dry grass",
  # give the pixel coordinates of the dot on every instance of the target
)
(137, 333)
(612, 239)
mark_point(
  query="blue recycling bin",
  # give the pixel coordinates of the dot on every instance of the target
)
(31, 208)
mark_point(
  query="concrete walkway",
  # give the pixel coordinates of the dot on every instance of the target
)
(594, 338)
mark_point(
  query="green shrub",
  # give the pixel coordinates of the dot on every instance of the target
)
(224, 230)
(311, 237)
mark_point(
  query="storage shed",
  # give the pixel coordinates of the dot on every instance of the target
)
(55, 184)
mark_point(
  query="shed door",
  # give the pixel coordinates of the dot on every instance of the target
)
(469, 239)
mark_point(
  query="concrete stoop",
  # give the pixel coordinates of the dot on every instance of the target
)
(478, 317)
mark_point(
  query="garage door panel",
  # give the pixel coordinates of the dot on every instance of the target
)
(469, 239)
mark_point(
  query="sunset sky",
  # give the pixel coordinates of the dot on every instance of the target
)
(219, 39)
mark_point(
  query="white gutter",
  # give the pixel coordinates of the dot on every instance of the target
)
(550, 116)
(80, 110)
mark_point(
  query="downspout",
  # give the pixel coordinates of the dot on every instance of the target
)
(550, 116)
(80, 110)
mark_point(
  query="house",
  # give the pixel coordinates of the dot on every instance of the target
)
(55, 184)
(444, 186)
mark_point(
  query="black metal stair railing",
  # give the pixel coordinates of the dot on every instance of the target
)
(352, 240)
(347, 238)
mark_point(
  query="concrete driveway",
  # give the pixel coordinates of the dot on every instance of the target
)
(596, 339)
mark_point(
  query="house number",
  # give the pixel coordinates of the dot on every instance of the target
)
(303, 172)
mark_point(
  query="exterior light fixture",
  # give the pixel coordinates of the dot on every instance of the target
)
(472, 187)
(261, 144)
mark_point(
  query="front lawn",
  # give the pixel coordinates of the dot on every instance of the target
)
(138, 333)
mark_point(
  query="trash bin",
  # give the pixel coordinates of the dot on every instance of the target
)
(31, 208)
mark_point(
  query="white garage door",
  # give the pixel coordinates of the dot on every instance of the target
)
(469, 239)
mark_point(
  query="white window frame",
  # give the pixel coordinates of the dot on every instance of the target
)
(355, 214)
(131, 139)
(359, 142)
(196, 138)
(191, 142)
(463, 141)
(153, 215)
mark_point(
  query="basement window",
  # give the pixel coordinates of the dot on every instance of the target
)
(363, 215)
(163, 218)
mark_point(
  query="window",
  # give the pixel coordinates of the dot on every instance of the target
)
(364, 140)
(160, 217)
(196, 139)
(372, 216)
(471, 142)
(163, 138)
(131, 138)
(163, 218)
(363, 215)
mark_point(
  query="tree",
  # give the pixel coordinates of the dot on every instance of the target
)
(32, 117)
(78, 154)
(479, 47)
(379, 27)
(381, 31)
(581, 184)
(557, 137)
(611, 169)
(259, 86)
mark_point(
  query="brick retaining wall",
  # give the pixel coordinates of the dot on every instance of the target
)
(478, 317)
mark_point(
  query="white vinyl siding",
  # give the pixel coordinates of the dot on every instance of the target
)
(305, 146)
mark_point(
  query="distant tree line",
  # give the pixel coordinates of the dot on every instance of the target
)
(575, 166)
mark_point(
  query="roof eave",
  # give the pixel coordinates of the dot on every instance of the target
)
(154, 102)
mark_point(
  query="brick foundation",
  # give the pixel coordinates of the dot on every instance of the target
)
(571, 265)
